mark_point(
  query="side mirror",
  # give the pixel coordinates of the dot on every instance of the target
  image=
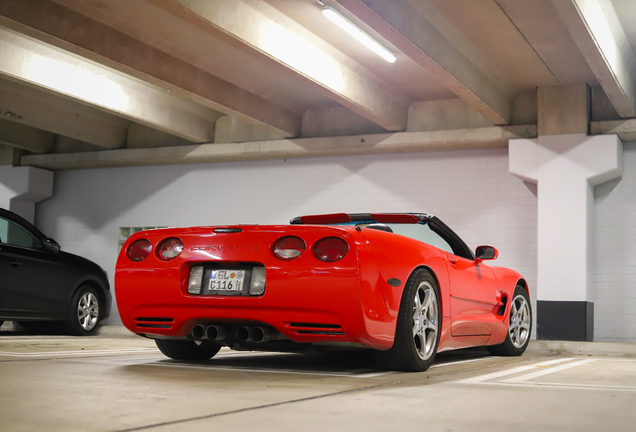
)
(483, 253)
(51, 245)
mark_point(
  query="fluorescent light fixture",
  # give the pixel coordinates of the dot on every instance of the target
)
(354, 31)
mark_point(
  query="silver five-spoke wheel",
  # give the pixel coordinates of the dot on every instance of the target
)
(88, 311)
(519, 327)
(418, 326)
(425, 320)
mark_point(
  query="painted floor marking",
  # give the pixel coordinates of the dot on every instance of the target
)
(274, 371)
(524, 380)
(76, 353)
(491, 376)
(355, 373)
(544, 372)
(462, 361)
(567, 386)
(39, 338)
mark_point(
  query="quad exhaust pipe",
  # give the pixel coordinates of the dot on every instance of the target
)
(212, 332)
(217, 333)
(257, 334)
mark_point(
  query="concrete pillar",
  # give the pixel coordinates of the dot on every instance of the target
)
(22, 187)
(566, 166)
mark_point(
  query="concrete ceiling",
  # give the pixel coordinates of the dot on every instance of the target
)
(88, 83)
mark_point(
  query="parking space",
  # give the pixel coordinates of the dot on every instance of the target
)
(59, 383)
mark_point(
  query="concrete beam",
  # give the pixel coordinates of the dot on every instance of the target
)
(625, 129)
(563, 110)
(22, 187)
(41, 110)
(596, 29)
(10, 155)
(279, 149)
(59, 25)
(290, 53)
(25, 137)
(402, 25)
(27, 61)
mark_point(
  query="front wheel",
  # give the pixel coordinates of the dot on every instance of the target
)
(83, 315)
(418, 327)
(187, 349)
(519, 326)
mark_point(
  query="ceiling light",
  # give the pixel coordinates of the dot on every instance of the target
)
(354, 31)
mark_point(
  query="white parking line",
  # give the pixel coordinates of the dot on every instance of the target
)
(568, 386)
(487, 377)
(274, 371)
(463, 361)
(527, 377)
(76, 353)
(356, 373)
(524, 379)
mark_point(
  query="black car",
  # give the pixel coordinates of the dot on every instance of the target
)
(41, 283)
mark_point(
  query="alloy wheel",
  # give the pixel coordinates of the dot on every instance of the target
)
(425, 320)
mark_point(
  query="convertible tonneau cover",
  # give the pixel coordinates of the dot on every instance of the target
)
(343, 218)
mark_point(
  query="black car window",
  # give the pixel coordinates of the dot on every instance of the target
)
(13, 234)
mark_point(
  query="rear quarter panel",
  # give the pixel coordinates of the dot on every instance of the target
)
(385, 256)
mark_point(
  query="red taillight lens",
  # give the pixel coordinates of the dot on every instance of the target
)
(331, 249)
(170, 248)
(139, 250)
(288, 248)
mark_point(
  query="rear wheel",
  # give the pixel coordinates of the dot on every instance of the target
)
(519, 326)
(418, 327)
(187, 349)
(84, 312)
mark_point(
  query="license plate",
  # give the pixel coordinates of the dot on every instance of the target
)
(226, 280)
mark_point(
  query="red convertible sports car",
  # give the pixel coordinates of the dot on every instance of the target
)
(404, 285)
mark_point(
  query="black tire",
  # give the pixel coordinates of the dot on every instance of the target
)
(519, 326)
(419, 308)
(187, 349)
(84, 312)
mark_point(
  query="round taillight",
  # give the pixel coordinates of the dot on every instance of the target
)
(331, 249)
(170, 248)
(288, 248)
(139, 250)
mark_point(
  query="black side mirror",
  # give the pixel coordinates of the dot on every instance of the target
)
(486, 253)
(51, 245)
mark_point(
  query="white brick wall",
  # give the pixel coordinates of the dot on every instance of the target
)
(615, 255)
(470, 190)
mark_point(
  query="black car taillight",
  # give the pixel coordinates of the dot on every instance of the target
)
(139, 250)
(331, 249)
(288, 248)
(170, 248)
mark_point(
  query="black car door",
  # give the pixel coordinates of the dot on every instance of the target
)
(34, 283)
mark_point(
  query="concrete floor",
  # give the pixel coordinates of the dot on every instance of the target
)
(117, 382)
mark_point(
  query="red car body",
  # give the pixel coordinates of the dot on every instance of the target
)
(354, 300)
